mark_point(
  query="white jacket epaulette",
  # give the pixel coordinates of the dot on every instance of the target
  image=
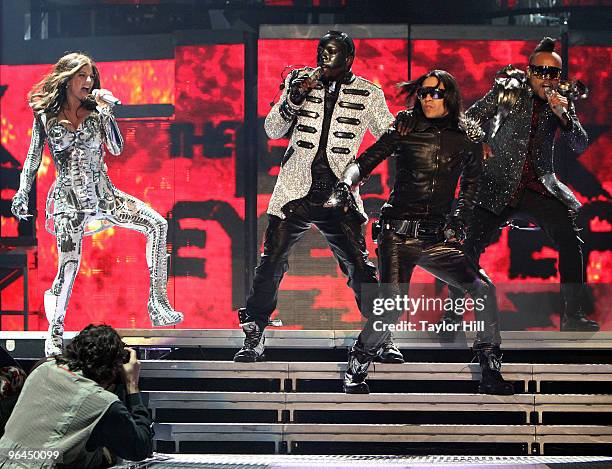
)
(360, 106)
(376, 85)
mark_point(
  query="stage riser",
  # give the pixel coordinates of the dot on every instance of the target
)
(378, 408)
(284, 418)
(326, 376)
(528, 439)
(421, 407)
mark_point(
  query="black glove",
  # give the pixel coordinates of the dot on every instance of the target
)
(299, 88)
(341, 197)
(343, 201)
(404, 122)
(454, 230)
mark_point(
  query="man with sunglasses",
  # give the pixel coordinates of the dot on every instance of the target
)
(435, 147)
(525, 111)
(325, 112)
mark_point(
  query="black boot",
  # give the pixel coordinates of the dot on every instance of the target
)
(389, 353)
(492, 381)
(573, 317)
(356, 373)
(253, 348)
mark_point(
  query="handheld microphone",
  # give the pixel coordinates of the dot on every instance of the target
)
(316, 74)
(108, 98)
(548, 91)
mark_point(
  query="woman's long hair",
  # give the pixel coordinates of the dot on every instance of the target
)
(49, 95)
(452, 98)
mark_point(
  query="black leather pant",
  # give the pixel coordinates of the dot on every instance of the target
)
(550, 214)
(345, 238)
(398, 256)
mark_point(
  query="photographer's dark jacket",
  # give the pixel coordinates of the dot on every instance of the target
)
(429, 161)
(503, 171)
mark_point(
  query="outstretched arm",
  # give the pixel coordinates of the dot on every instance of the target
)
(30, 168)
(377, 153)
(358, 170)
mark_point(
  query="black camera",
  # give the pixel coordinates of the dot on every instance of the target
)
(125, 356)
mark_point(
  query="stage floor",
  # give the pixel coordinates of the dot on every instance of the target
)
(208, 461)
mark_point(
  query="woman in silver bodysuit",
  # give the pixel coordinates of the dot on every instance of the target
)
(77, 126)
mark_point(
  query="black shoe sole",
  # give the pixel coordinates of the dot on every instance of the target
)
(579, 329)
(245, 359)
(391, 360)
(358, 388)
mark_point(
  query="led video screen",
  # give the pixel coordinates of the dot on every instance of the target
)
(187, 165)
(184, 166)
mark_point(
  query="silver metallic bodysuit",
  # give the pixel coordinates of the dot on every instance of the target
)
(82, 193)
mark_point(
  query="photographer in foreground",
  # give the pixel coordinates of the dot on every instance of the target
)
(67, 415)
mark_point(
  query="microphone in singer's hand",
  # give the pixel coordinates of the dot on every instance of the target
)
(558, 108)
(108, 98)
(316, 74)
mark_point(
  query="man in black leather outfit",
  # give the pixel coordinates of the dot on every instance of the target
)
(437, 145)
(325, 112)
(526, 110)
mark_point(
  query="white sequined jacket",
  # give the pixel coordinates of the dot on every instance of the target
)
(361, 105)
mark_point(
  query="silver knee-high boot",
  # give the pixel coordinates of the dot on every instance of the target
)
(55, 333)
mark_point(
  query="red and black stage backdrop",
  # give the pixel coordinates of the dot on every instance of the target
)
(184, 166)
(185, 156)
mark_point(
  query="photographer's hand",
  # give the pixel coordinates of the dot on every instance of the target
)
(130, 372)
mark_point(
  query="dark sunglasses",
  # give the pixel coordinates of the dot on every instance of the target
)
(435, 93)
(545, 72)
